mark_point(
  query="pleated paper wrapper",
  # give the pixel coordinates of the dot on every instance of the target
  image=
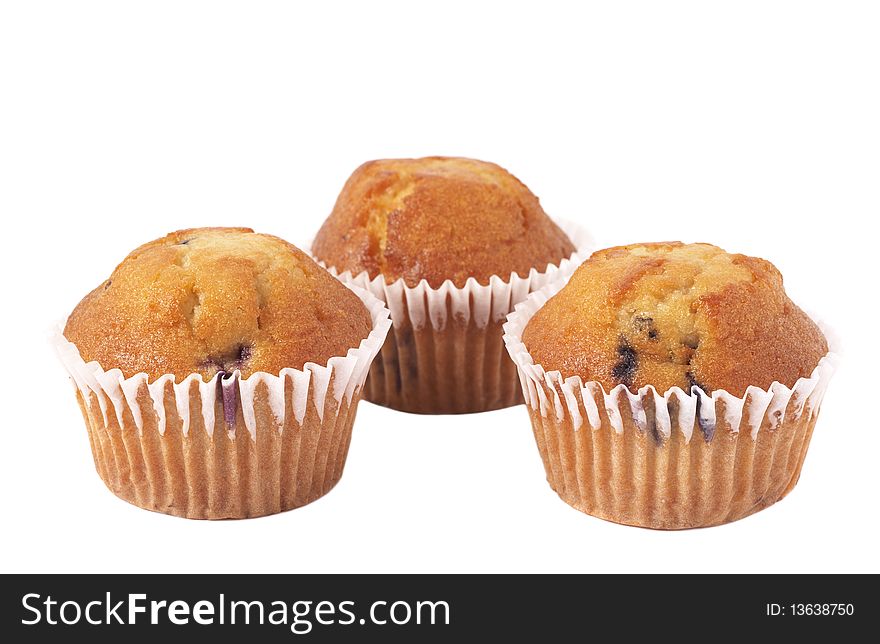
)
(670, 460)
(445, 354)
(232, 447)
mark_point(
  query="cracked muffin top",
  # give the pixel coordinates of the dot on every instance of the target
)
(438, 218)
(673, 314)
(209, 300)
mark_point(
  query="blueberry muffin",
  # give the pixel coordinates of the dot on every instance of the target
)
(675, 315)
(451, 244)
(737, 374)
(218, 372)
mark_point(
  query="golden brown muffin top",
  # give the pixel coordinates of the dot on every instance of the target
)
(673, 314)
(207, 300)
(438, 218)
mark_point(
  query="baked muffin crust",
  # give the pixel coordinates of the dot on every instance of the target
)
(209, 300)
(438, 218)
(670, 314)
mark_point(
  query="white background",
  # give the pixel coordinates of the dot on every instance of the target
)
(755, 126)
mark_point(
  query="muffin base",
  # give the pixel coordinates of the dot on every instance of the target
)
(227, 474)
(640, 479)
(460, 370)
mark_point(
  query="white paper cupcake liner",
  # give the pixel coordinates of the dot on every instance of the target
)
(156, 445)
(634, 459)
(444, 353)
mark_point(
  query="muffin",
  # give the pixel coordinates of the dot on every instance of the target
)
(700, 379)
(215, 329)
(450, 244)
